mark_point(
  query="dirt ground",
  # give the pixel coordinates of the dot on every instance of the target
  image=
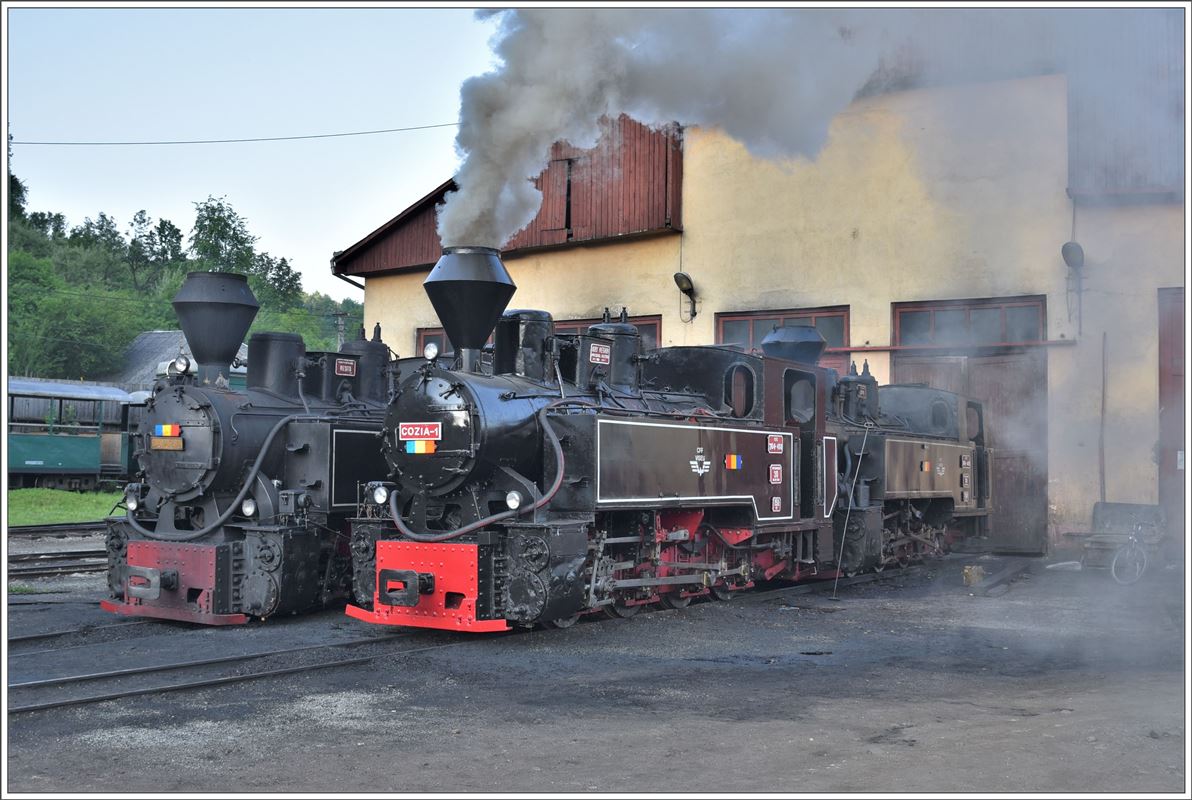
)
(1065, 683)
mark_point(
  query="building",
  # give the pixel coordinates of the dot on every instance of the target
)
(926, 239)
(148, 355)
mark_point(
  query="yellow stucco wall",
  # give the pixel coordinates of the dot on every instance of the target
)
(575, 283)
(934, 194)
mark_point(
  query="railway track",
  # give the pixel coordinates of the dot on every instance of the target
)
(23, 696)
(50, 563)
(37, 637)
(57, 529)
(38, 695)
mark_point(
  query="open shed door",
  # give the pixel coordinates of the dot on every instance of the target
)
(1012, 385)
(1171, 453)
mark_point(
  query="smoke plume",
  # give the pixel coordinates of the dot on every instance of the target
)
(771, 79)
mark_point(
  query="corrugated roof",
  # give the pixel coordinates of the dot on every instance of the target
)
(146, 352)
(29, 387)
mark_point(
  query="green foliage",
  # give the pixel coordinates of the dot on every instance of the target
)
(16, 197)
(78, 296)
(49, 506)
(221, 242)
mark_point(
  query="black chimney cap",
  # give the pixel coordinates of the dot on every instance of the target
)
(215, 310)
(801, 343)
(469, 288)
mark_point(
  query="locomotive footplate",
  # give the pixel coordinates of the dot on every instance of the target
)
(172, 580)
(432, 586)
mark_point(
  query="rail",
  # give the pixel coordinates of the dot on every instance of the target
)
(57, 529)
(20, 706)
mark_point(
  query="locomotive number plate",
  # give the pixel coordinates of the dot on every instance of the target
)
(416, 431)
(165, 442)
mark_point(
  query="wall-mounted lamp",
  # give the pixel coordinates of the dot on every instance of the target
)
(683, 281)
(1073, 255)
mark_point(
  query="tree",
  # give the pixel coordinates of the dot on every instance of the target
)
(139, 248)
(16, 197)
(16, 189)
(165, 244)
(52, 225)
(221, 242)
(102, 234)
(276, 283)
(220, 238)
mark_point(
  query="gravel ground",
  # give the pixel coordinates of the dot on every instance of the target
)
(1065, 683)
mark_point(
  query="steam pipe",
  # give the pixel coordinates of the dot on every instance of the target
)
(235, 504)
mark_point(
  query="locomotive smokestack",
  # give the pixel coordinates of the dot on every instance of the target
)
(801, 343)
(469, 288)
(215, 310)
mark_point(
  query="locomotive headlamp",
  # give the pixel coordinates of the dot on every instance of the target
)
(132, 496)
(513, 500)
(181, 364)
(431, 351)
(380, 494)
(248, 507)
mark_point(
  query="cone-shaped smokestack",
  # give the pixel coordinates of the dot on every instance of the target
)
(469, 288)
(801, 343)
(215, 310)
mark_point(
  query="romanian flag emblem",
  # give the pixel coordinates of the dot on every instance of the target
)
(420, 446)
(732, 461)
(167, 430)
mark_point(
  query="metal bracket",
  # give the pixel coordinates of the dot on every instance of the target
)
(155, 581)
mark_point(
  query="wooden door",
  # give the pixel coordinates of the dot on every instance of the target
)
(1170, 451)
(1012, 386)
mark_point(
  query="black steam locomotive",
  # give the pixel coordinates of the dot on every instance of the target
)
(242, 501)
(575, 473)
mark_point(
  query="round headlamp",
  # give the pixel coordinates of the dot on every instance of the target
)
(132, 502)
(181, 364)
(513, 500)
(431, 351)
(380, 495)
(248, 507)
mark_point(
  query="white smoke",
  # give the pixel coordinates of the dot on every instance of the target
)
(772, 79)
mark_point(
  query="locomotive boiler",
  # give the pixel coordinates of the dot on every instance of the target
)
(241, 501)
(577, 473)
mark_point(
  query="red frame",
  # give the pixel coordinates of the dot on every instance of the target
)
(1038, 302)
(567, 326)
(836, 357)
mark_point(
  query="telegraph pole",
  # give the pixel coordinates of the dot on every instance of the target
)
(339, 328)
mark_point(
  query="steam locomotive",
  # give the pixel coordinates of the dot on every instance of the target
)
(242, 501)
(577, 473)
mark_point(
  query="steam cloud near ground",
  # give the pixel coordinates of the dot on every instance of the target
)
(773, 79)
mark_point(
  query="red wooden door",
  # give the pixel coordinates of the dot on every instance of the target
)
(1171, 413)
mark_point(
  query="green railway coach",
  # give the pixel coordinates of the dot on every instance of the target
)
(67, 435)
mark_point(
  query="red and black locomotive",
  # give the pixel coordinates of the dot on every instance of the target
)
(241, 505)
(577, 473)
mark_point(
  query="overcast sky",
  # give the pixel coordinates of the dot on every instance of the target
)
(115, 74)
